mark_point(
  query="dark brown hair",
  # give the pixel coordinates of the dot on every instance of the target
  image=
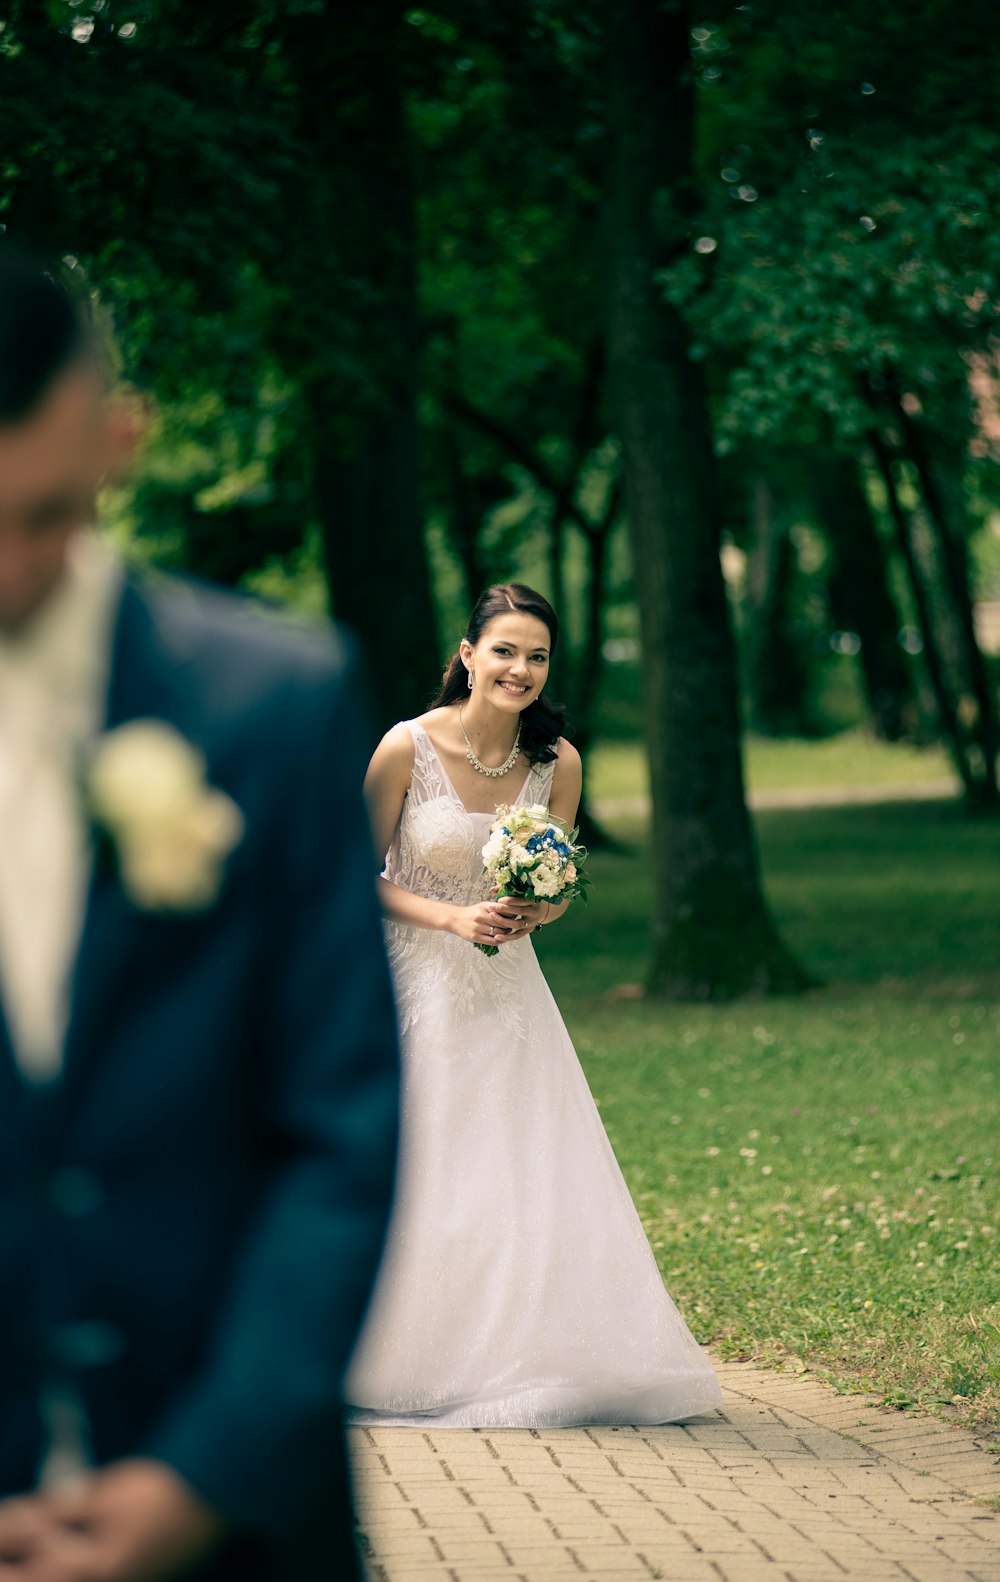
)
(542, 722)
(44, 330)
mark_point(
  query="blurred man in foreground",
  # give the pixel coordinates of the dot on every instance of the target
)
(198, 1068)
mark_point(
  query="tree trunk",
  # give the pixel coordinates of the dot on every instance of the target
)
(955, 561)
(590, 668)
(375, 557)
(712, 934)
(469, 500)
(362, 396)
(860, 597)
(557, 592)
(778, 660)
(954, 736)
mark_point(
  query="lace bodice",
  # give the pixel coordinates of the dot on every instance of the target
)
(438, 846)
(437, 851)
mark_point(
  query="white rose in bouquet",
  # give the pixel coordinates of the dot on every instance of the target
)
(545, 883)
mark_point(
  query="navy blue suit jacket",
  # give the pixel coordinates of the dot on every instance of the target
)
(191, 1215)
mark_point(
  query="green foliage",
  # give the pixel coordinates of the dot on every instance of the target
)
(892, 265)
(176, 163)
(848, 180)
(162, 167)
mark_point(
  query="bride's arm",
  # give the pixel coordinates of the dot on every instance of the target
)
(386, 785)
(405, 907)
(564, 803)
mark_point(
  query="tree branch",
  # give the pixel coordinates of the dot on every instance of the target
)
(524, 454)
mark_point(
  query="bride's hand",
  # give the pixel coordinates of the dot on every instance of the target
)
(482, 924)
(519, 916)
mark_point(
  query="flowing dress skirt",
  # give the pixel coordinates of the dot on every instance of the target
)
(518, 1287)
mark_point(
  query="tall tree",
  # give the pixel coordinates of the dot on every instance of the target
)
(712, 933)
(360, 387)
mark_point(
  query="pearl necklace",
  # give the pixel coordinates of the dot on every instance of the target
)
(477, 762)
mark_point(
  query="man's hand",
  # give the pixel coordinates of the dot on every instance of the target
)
(135, 1521)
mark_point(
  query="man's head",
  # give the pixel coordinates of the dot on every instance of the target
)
(59, 433)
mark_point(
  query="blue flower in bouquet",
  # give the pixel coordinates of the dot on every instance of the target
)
(530, 856)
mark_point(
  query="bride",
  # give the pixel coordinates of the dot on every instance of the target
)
(517, 1288)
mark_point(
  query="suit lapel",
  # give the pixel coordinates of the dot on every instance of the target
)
(147, 665)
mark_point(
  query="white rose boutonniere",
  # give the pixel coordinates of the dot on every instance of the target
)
(171, 830)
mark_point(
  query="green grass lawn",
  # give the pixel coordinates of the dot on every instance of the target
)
(818, 1176)
(853, 758)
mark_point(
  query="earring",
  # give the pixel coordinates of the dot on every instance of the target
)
(470, 681)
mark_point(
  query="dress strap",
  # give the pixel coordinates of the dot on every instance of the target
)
(427, 782)
(540, 787)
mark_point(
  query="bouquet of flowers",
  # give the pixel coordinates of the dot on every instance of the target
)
(529, 855)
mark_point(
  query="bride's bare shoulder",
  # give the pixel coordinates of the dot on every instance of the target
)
(566, 783)
(441, 716)
(568, 760)
(393, 757)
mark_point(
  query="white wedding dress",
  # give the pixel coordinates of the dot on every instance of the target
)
(517, 1288)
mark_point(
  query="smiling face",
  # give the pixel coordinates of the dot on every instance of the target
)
(510, 662)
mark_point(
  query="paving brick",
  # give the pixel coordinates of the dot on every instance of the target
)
(791, 1483)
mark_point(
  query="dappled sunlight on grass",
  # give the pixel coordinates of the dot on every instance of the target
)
(853, 758)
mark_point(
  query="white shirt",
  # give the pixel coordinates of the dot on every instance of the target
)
(53, 691)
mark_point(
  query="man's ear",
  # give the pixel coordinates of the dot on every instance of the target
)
(127, 417)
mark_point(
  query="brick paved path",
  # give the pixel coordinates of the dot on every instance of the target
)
(790, 1483)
